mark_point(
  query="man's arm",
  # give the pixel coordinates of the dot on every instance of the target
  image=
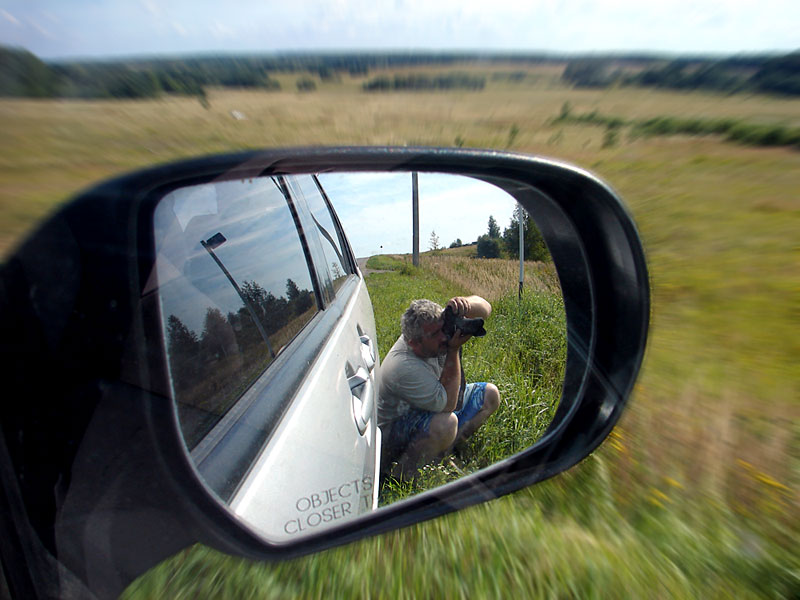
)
(451, 372)
(451, 379)
(471, 307)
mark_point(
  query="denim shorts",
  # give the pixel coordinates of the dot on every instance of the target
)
(417, 422)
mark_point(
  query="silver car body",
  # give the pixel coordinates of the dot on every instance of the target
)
(238, 329)
(318, 468)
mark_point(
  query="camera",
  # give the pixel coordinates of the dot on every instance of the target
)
(466, 326)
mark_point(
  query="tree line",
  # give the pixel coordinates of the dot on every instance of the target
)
(448, 81)
(493, 244)
(23, 74)
(231, 334)
(212, 370)
(762, 74)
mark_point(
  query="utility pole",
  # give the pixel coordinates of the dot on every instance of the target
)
(415, 218)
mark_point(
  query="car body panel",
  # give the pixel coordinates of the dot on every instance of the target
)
(317, 467)
(319, 433)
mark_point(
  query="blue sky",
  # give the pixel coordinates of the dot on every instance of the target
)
(95, 28)
(375, 209)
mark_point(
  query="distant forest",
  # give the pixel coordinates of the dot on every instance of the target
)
(22, 74)
(447, 81)
(768, 75)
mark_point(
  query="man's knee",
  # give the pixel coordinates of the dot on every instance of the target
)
(491, 397)
(444, 427)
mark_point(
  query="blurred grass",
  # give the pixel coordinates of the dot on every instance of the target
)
(695, 494)
(538, 543)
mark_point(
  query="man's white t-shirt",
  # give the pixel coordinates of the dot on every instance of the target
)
(408, 381)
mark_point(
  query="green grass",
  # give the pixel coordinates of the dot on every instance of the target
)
(546, 542)
(397, 262)
(732, 130)
(385, 262)
(523, 353)
(468, 250)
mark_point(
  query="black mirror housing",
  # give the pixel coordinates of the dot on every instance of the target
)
(97, 483)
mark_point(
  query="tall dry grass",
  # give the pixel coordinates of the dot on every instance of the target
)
(698, 489)
(50, 149)
(492, 278)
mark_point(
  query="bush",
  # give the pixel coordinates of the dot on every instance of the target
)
(610, 138)
(306, 84)
(764, 135)
(488, 247)
(409, 269)
(447, 81)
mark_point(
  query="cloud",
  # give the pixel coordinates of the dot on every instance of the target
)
(97, 27)
(220, 31)
(180, 29)
(50, 16)
(41, 30)
(9, 17)
(151, 7)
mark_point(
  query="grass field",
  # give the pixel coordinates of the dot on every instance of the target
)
(696, 492)
(523, 353)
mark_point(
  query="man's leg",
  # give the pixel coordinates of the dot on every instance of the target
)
(440, 436)
(491, 400)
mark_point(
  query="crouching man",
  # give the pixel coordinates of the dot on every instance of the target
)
(419, 411)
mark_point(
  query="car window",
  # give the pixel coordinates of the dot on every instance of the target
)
(226, 316)
(336, 264)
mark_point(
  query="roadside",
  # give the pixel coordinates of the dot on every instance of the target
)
(362, 265)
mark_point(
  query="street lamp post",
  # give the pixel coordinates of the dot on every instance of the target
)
(215, 241)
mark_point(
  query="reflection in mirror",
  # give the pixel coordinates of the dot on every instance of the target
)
(469, 243)
(222, 308)
(279, 375)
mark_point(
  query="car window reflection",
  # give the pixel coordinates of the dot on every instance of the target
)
(227, 313)
(335, 263)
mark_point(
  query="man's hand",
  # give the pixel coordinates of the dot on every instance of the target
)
(459, 305)
(470, 307)
(458, 340)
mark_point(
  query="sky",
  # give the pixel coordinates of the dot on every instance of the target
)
(255, 220)
(105, 28)
(376, 214)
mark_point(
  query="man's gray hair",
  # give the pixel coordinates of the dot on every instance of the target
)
(419, 313)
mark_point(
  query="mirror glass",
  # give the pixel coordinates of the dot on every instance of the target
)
(300, 401)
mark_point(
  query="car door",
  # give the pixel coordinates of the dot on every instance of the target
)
(273, 361)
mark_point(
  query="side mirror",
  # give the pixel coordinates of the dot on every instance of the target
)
(168, 336)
